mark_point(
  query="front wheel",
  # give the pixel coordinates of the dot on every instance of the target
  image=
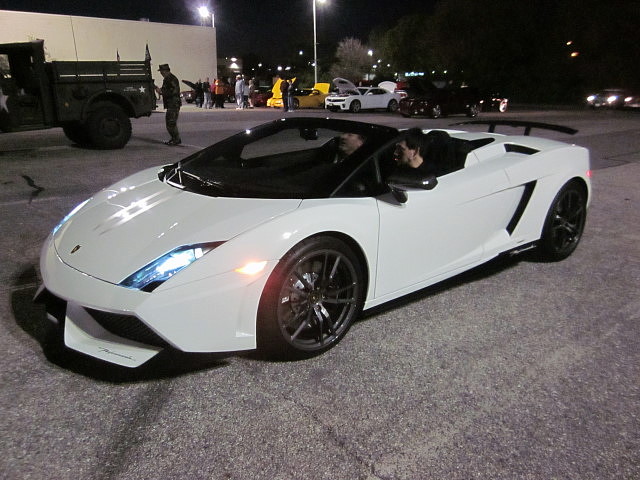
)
(108, 126)
(311, 299)
(355, 106)
(76, 132)
(564, 223)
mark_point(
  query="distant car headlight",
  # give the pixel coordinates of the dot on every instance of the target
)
(628, 99)
(148, 278)
(591, 98)
(612, 98)
(68, 216)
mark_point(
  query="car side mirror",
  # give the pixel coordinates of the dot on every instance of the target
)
(399, 181)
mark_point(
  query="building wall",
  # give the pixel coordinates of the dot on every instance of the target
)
(190, 51)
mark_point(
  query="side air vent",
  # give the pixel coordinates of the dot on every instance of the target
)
(512, 147)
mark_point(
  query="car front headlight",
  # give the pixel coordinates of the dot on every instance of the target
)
(151, 276)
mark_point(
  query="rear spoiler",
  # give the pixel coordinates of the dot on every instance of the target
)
(518, 123)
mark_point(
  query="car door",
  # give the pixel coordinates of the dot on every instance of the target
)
(443, 231)
(377, 98)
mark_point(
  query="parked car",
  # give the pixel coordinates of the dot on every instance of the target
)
(261, 96)
(608, 98)
(188, 96)
(305, 97)
(494, 102)
(425, 99)
(263, 240)
(353, 99)
(632, 101)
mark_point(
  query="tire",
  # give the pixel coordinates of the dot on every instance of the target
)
(393, 106)
(436, 111)
(108, 126)
(76, 132)
(296, 104)
(564, 223)
(311, 299)
(355, 106)
(473, 110)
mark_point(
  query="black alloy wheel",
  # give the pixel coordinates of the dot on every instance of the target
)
(564, 223)
(355, 106)
(311, 299)
(436, 111)
(393, 106)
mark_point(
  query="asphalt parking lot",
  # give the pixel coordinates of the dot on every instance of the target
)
(515, 370)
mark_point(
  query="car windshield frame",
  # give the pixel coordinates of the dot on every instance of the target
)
(255, 163)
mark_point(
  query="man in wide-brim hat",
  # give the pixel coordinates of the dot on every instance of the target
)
(170, 92)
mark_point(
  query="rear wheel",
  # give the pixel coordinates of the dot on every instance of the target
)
(393, 106)
(473, 110)
(296, 103)
(436, 111)
(108, 126)
(311, 299)
(564, 224)
(355, 106)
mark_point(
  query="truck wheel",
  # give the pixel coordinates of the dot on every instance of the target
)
(108, 127)
(76, 132)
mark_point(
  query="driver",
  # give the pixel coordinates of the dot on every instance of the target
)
(347, 144)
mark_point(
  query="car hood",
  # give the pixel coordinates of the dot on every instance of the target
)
(343, 85)
(123, 229)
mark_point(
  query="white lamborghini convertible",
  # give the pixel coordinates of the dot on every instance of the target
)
(271, 239)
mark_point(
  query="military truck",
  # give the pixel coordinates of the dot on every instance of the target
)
(93, 101)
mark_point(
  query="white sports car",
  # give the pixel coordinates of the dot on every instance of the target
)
(270, 239)
(353, 99)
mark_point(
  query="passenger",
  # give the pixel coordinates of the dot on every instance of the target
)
(410, 151)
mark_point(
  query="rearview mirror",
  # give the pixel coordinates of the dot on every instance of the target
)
(309, 133)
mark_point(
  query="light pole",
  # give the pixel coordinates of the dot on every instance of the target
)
(315, 44)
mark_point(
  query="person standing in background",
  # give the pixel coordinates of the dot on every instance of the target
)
(239, 89)
(170, 92)
(284, 90)
(206, 87)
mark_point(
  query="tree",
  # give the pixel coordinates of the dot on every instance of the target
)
(353, 60)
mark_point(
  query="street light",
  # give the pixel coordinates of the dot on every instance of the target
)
(205, 14)
(315, 44)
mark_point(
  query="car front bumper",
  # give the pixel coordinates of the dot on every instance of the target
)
(128, 327)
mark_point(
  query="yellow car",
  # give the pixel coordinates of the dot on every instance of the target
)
(304, 98)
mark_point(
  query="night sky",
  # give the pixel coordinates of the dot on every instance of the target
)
(262, 27)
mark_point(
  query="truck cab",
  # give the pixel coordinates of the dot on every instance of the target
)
(92, 101)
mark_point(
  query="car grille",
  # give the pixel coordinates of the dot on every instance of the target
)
(127, 326)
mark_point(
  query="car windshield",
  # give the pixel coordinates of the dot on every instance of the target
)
(289, 158)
